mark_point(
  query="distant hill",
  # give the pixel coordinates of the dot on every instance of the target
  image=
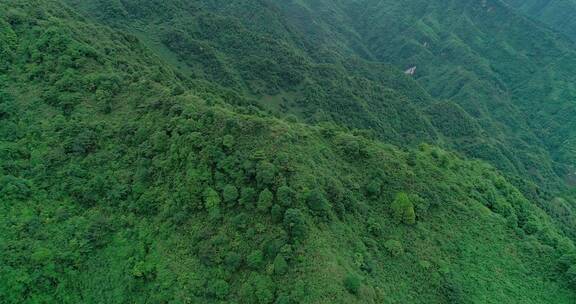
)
(558, 14)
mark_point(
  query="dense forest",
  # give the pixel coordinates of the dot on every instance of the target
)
(287, 151)
(558, 14)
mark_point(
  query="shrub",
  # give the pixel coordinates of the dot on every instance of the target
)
(248, 197)
(318, 203)
(228, 141)
(352, 283)
(394, 247)
(285, 196)
(373, 188)
(277, 213)
(212, 202)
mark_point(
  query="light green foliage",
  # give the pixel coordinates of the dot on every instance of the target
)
(218, 289)
(280, 265)
(212, 202)
(394, 247)
(403, 209)
(255, 259)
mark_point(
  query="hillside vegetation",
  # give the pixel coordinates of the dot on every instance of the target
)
(558, 14)
(327, 61)
(262, 152)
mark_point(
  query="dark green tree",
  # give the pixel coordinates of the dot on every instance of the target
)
(264, 289)
(394, 247)
(277, 213)
(352, 283)
(571, 276)
(294, 224)
(265, 200)
(285, 196)
(265, 174)
(317, 202)
(248, 197)
(230, 194)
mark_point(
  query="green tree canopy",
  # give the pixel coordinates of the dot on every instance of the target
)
(265, 200)
(403, 209)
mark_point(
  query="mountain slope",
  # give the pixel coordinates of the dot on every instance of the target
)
(123, 180)
(558, 14)
(321, 64)
(513, 81)
(122, 183)
(283, 69)
(496, 104)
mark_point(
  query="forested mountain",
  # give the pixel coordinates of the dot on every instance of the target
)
(268, 151)
(517, 82)
(558, 14)
(324, 62)
(273, 62)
